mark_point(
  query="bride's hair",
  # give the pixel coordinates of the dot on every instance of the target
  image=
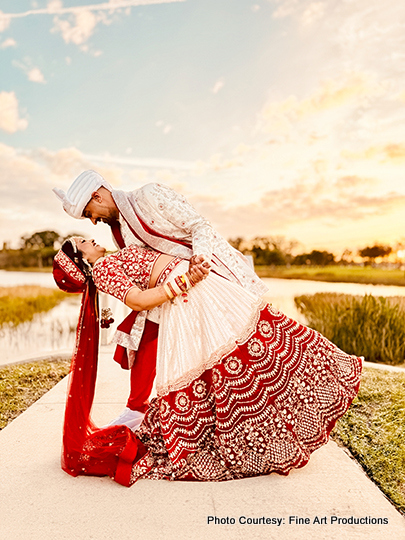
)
(70, 249)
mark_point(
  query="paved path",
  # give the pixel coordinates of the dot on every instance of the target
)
(39, 501)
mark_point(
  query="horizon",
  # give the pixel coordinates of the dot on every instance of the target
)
(273, 117)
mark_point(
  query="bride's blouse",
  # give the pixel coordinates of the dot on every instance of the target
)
(132, 266)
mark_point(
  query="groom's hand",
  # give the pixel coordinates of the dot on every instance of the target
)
(199, 267)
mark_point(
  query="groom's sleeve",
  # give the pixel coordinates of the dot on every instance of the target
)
(173, 207)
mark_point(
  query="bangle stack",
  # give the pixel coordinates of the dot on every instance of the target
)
(179, 286)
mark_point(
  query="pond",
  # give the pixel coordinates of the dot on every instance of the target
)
(49, 332)
(282, 292)
(55, 330)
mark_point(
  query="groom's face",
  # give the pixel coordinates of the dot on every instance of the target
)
(100, 209)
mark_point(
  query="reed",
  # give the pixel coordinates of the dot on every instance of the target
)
(335, 274)
(369, 326)
(20, 304)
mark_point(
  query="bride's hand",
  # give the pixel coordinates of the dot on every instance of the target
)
(199, 268)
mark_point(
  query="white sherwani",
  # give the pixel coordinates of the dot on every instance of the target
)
(170, 217)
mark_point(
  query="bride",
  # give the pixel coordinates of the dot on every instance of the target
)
(242, 389)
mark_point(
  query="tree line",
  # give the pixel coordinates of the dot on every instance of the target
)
(277, 251)
(36, 250)
(39, 249)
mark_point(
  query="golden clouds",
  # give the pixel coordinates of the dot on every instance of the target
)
(280, 116)
(392, 153)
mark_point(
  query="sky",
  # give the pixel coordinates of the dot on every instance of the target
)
(273, 117)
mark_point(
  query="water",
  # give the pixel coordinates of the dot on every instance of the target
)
(49, 332)
(52, 331)
(10, 279)
(282, 291)
(55, 330)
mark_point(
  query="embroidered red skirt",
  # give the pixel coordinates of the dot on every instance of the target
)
(263, 407)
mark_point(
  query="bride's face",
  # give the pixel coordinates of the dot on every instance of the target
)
(89, 249)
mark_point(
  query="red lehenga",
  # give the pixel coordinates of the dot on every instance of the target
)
(242, 390)
(262, 408)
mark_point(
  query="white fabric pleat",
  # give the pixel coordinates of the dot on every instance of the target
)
(194, 335)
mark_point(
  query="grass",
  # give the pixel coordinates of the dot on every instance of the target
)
(335, 273)
(373, 430)
(23, 384)
(369, 326)
(19, 304)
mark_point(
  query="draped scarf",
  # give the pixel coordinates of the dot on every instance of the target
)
(87, 449)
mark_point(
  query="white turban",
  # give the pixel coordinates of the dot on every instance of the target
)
(80, 192)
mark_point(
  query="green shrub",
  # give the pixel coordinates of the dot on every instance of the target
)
(369, 326)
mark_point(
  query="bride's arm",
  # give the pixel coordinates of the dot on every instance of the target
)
(109, 277)
(139, 300)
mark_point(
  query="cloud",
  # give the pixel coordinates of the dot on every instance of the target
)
(287, 8)
(166, 128)
(143, 163)
(314, 12)
(351, 90)
(79, 31)
(301, 206)
(316, 198)
(28, 177)
(10, 42)
(35, 75)
(218, 86)
(10, 120)
(307, 12)
(392, 152)
(81, 21)
(5, 20)
(56, 7)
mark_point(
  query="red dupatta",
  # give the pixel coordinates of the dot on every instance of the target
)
(88, 450)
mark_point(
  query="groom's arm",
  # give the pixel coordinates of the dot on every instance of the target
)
(168, 205)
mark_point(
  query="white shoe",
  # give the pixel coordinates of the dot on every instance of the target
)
(128, 417)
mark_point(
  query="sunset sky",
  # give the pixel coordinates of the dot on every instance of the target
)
(273, 117)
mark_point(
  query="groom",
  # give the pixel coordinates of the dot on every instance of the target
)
(155, 216)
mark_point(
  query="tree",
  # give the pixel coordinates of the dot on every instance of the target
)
(345, 257)
(236, 243)
(267, 251)
(316, 258)
(40, 240)
(371, 253)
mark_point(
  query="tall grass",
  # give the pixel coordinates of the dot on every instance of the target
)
(335, 274)
(369, 326)
(20, 304)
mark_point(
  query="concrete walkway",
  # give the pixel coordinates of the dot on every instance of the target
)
(39, 501)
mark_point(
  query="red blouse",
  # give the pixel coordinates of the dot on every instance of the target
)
(117, 273)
